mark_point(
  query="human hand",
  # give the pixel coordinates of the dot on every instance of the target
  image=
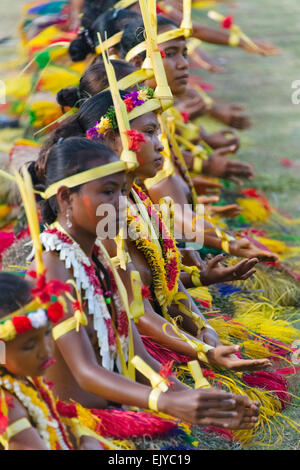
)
(243, 248)
(220, 166)
(223, 138)
(224, 356)
(232, 115)
(215, 272)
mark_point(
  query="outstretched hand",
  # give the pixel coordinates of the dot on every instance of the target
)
(216, 272)
(264, 48)
(243, 248)
(224, 356)
(232, 115)
(210, 407)
(223, 138)
(220, 166)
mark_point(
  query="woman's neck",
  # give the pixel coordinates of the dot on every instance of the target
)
(85, 240)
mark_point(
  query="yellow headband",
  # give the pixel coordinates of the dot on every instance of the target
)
(122, 4)
(149, 106)
(133, 78)
(110, 42)
(84, 177)
(30, 307)
(164, 37)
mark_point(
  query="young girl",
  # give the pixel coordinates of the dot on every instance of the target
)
(150, 158)
(87, 362)
(31, 416)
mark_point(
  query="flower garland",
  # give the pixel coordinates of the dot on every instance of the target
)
(166, 268)
(42, 411)
(48, 304)
(86, 279)
(109, 120)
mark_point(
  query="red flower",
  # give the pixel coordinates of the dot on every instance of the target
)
(136, 138)
(61, 236)
(227, 22)
(123, 324)
(160, 11)
(22, 324)
(56, 287)
(111, 334)
(162, 53)
(129, 104)
(3, 423)
(208, 374)
(146, 293)
(77, 306)
(166, 371)
(172, 271)
(69, 411)
(32, 274)
(113, 284)
(55, 312)
(40, 290)
(186, 117)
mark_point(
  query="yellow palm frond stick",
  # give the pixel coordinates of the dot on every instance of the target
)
(162, 91)
(128, 156)
(27, 193)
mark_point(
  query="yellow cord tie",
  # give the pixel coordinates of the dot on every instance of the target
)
(196, 373)
(79, 430)
(193, 271)
(199, 347)
(137, 305)
(156, 380)
(188, 311)
(17, 427)
(121, 253)
(153, 399)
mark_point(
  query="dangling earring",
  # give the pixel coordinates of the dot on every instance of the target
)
(69, 223)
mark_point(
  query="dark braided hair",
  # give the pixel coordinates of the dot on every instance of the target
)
(69, 157)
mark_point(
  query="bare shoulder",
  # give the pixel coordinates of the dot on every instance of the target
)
(55, 267)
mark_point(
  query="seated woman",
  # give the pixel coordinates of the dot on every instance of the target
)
(91, 365)
(31, 416)
(175, 60)
(179, 186)
(93, 81)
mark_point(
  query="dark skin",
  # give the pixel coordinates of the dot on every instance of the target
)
(177, 70)
(27, 356)
(77, 361)
(151, 324)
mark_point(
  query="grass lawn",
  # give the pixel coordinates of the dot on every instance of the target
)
(264, 85)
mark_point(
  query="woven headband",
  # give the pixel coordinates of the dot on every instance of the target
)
(84, 177)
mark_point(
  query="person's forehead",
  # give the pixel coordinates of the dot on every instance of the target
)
(116, 178)
(176, 43)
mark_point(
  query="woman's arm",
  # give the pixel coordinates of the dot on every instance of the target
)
(29, 439)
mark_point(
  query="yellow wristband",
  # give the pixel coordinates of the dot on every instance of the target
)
(234, 39)
(153, 399)
(17, 427)
(197, 165)
(225, 246)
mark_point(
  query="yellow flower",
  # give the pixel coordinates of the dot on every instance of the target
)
(7, 331)
(143, 95)
(4, 211)
(103, 125)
